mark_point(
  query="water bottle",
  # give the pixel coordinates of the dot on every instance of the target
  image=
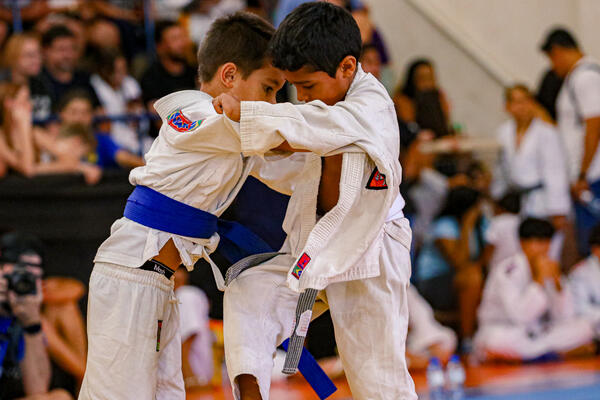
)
(435, 379)
(455, 378)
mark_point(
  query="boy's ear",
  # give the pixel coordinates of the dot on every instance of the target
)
(347, 67)
(227, 74)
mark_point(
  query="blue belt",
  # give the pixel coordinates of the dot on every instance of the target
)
(312, 372)
(155, 210)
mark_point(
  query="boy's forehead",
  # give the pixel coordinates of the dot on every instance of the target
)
(304, 75)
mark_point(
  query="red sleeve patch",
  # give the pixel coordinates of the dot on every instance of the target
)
(181, 123)
(377, 181)
(300, 265)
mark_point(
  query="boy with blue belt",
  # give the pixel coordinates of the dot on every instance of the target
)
(192, 173)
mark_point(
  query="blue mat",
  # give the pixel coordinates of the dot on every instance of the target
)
(588, 392)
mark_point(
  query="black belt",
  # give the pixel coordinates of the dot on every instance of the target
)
(158, 267)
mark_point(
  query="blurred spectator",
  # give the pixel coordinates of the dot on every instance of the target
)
(76, 108)
(171, 71)
(448, 268)
(72, 22)
(120, 95)
(16, 133)
(196, 337)
(71, 151)
(39, 9)
(547, 92)
(370, 60)
(585, 283)
(502, 235)
(24, 362)
(420, 101)
(198, 15)
(103, 34)
(64, 329)
(60, 63)
(532, 162)
(527, 310)
(426, 337)
(128, 16)
(22, 57)
(578, 117)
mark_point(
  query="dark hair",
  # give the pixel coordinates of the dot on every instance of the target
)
(535, 228)
(56, 32)
(241, 38)
(15, 244)
(161, 27)
(316, 34)
(594, 239)
(458, 201)
(510, 202)
(410, 88)
(104, 60)
(559, 37)
(72, 95)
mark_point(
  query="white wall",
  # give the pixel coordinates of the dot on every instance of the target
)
(479, 46)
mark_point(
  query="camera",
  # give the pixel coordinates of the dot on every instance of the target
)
(21, 281)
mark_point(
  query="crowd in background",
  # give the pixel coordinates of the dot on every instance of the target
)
(505, 256)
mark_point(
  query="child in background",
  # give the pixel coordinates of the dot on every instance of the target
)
(585, 283)
(527, 310)
(502, 235)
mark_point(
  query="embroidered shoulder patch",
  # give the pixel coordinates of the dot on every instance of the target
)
(377, 181)
(181, 123)
(300, 265)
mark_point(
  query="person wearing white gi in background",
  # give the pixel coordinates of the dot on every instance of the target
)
(578, 118)
(532, 163)
(527, 309)
(585, 283)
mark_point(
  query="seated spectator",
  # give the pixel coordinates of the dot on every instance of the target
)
(532, 162)
(120, 95)
(22, 56)
(585, 283)
(71, 151)
(76, 108)
(16, 131)
(60, 64)
(24, 363)
(449, 266)
(420, 101)
(39, 9)
(426, 337)
(196, 337)
(527, 310)
(371, 60)
(502, 235)
(171, 71)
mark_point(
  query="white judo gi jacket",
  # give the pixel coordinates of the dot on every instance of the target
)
(512, 298)
(539, 161)
(196, 160)
(585, 284)
(343, 245)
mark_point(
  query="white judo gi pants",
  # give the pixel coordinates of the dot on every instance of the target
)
(514, 341)
(370, 319)
(129, 357)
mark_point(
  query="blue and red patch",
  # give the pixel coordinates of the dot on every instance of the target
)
(377, 181)
(181, 123)
(300, 265)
